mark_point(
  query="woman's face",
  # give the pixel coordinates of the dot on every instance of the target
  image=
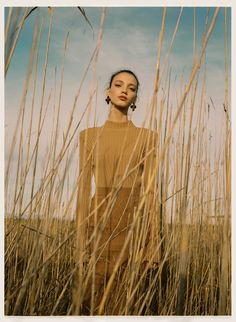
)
(123, 90)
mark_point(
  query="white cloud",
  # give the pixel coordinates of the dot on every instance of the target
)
(122, 47)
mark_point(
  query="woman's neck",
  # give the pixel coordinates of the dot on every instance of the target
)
(114, 125)
(116, 115)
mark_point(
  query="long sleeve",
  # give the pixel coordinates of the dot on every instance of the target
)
(150, 160)
(82, 210)
(151, 203)
(84, 190)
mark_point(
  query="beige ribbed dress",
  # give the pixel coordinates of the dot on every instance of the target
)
(121, 157)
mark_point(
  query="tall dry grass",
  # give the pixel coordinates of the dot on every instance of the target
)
(190, 211)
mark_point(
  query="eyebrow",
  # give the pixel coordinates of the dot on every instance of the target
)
(118, 80)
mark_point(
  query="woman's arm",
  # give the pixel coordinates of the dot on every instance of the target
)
(84, 191)
(151, 202)
(149, 162)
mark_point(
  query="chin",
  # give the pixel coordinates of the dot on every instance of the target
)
(122, 105)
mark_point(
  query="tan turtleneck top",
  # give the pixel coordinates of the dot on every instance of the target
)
(115, 153)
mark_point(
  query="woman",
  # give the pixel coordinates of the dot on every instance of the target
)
(112, 231)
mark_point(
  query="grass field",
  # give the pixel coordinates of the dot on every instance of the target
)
(193, 193)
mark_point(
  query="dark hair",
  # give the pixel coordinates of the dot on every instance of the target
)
(124, 71)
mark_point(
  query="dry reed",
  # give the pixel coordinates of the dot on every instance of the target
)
(190, 210)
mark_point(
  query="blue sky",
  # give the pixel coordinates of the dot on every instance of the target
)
(129, 41)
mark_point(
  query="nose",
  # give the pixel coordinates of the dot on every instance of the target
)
(124, 90)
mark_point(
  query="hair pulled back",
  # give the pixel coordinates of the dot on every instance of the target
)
(124, 71)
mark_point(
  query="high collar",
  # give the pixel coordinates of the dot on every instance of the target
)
(117, 125)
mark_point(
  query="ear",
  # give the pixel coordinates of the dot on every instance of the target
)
(136, 99)
(108, 92)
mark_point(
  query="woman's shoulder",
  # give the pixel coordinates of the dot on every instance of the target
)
(87, 136)
(93, 132)
(89, 131)
(147, 132)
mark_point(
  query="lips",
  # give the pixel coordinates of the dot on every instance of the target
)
(123, 98)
